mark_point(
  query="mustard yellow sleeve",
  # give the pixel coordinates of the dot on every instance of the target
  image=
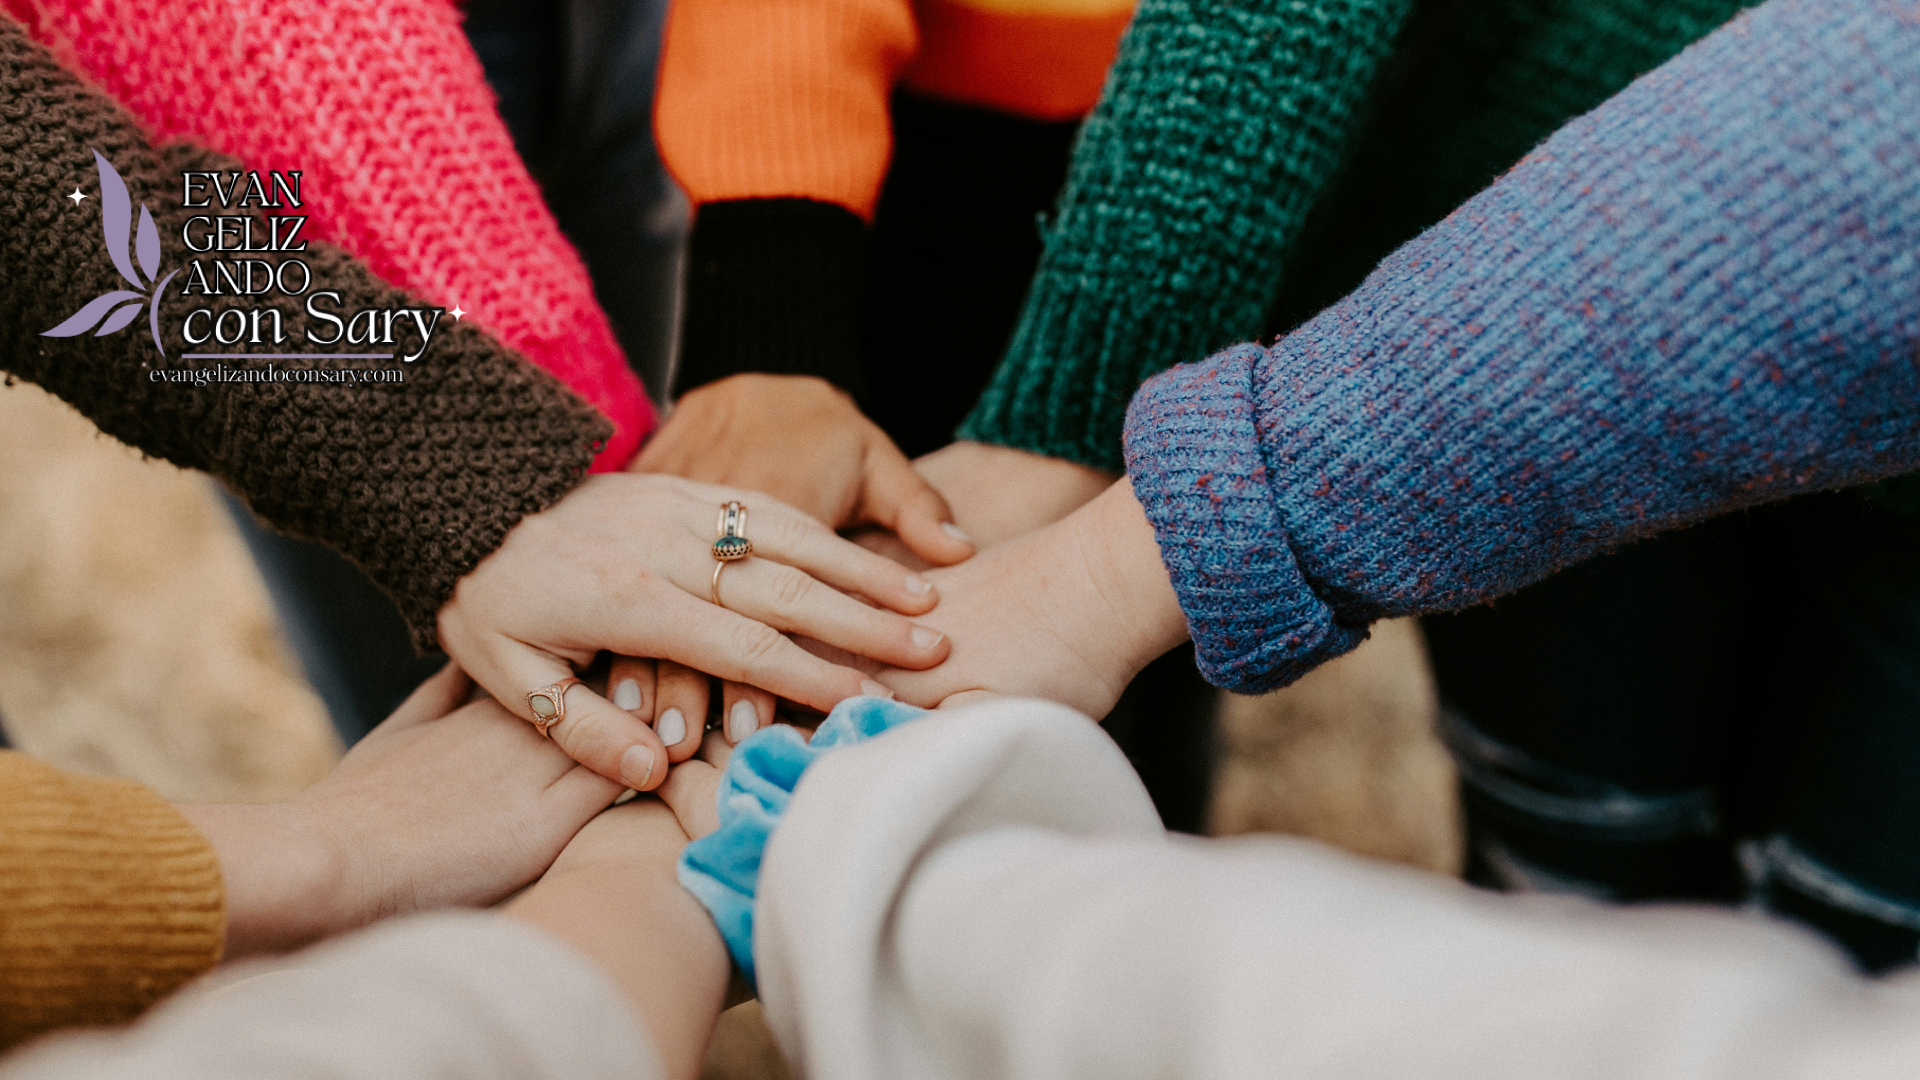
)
(109, 899)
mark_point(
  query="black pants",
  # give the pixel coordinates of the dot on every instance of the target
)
(1727, 713)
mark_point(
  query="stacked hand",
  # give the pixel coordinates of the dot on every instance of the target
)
(624, 563)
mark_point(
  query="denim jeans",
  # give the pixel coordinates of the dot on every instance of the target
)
(1730, 713)
(575, 82)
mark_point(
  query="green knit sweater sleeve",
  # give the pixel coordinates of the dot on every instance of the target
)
(1220, 124)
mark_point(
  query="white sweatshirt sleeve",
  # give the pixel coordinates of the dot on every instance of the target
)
(988, 894)
(458, 995)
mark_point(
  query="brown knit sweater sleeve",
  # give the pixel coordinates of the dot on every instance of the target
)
(415, 481)
(109, 899)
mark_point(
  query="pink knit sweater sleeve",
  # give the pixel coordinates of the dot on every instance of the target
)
(406, 163)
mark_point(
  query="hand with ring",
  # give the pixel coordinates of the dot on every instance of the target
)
(631, 564)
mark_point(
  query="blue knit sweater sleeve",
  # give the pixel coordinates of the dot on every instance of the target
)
(1703, 295)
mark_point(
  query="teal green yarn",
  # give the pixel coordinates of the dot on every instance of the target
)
(1218, 127)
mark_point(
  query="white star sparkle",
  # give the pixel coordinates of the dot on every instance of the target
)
(76, 196)
(457, 312)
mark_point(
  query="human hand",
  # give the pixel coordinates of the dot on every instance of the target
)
(614, 895)
(998, 493)
(804, 441)
(624, 563)
(440, 806)
(1070, 613)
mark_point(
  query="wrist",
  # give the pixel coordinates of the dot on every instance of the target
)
(1125, 571)
(284, 876)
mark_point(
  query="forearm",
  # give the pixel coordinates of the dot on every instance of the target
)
(1681, 304)
(644, 932)
(403, 158)
(283, 882)
(109, 899)
(416, 481)
(468, 995)
(1244, 111)
(987, 893)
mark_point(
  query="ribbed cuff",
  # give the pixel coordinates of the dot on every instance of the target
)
(109, 899)
(774, 286)
(1193, 452)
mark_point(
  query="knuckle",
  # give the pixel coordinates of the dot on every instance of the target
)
(790, 589)
(756, 643)
(787, 531)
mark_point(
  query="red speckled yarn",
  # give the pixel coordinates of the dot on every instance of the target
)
(405, 160)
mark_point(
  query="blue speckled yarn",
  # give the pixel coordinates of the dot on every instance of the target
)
(1703, 295)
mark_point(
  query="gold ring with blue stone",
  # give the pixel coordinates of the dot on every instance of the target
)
(732, 545)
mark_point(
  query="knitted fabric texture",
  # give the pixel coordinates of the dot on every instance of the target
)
(722, 868)
(414, 481)
(788, 98)
(1212, 171)
(1702, 296)
(109, 899)
(385, 110)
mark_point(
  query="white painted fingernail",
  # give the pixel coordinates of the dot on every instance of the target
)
(918, 586)
(627, 695)
(924, 639)
(874, 689)
(671, 727)
(636, 767)
(956, 532)
(742, 721)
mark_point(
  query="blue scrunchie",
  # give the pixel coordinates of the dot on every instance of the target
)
(722, 869)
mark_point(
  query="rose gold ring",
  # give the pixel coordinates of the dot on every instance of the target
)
(549, 705)
(717, 567)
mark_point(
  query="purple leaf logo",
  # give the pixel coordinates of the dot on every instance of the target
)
(114, 310)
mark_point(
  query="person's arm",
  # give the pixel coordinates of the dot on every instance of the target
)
(605, 968)
(1218, 128)
(110, 898)
(464, 994)
(404, 161)
(1684, 303)
(987, 893)
(459, 488)
(1698, 297)
(415, 481)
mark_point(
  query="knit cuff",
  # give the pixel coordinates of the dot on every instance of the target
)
(1193, 452)
(774, 285)
(109, 899)
(1077, 357)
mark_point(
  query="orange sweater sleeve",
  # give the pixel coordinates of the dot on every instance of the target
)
(781, 98)
(109, 899)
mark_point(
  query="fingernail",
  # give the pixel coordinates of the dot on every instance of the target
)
(924, 639)
(874, 689)
(671, 727)
(636, 767)
(742, 721)
(918, 586)
(627, 695)
(956, 532)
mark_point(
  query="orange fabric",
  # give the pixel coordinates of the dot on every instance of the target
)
(1049, 67)
(773, 98)
(768, 98)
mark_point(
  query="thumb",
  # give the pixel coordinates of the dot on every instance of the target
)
(898, 498)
